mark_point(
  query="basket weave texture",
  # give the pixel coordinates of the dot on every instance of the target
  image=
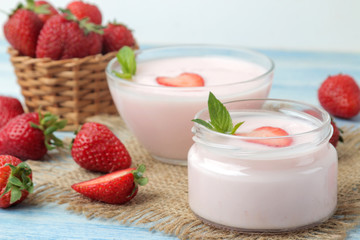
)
(73, 89)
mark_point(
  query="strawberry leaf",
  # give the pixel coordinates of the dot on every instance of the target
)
(50, 123)
(18, 180)
(15, 181)
(15, 194)
(138, 176)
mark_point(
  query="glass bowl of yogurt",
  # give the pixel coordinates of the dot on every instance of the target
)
(264, 182)
(160, 116)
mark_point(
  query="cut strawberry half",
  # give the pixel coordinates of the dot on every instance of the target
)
(183, 80)
(116, 188)
(267, 132)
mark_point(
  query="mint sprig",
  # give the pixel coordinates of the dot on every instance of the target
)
(220, 119)
(126, 58)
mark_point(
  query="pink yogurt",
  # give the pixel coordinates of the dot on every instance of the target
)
(245, 186)
(160, 116)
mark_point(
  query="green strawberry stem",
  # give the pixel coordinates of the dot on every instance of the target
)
(30, 5)
(138, 178)
(84, 23)
(18, 180)
(126, 58)
(50, 123)
(220, 119)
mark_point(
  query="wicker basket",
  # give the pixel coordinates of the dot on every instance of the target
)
(73, 89)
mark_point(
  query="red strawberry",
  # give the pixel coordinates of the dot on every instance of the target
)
(22, 29)
(96, 148)
(9, 108)
(82, 10)
(336, 137)
(15, 181)
(28, 136)
(183, 80)
(63, 37)
(47, 9)
(340, 96)
(116, 36)
(269, 132)
(115, 188)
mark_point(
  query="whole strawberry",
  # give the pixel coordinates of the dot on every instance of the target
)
(64, 37)
(116, 36)
(336, 136)
(96, 148)
(85, 10)
(30, 135)
(340, 96)
(116, 188)
(15, 181)
(9, 108)
(22, 29)
(47, 10)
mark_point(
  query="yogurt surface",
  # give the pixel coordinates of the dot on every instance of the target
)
(214, 70)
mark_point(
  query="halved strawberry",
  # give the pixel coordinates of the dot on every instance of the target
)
(267, 132)
(115, 188)
(183, 80)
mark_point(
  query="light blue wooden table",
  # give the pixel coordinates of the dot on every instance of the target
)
(298, 76)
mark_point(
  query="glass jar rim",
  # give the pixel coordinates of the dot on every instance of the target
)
(325, 123)
(267, 72)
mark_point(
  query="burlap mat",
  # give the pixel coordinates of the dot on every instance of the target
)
(162, 204)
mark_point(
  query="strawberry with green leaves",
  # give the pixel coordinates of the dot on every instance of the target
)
(96, 148)
(15, 181)
(23, 27)
(85, 10)
(64, 36)
(116, 188)
(9, 108)
(30, 135)
(116, 36)
(47, 12)
(220, 121)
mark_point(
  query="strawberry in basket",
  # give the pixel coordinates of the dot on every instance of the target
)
(64, 36)
(48, 10)
(116, 36)
(23, 27)
(83, 10)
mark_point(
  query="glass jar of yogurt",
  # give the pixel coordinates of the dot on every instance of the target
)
(241, 183)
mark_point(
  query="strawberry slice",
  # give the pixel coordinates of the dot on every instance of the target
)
(183, 80)
(115, 188)
(266, 132)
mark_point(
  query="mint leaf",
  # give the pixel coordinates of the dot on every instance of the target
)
(126, 58)
(219, 115)
(202, 122)
(220, 119)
